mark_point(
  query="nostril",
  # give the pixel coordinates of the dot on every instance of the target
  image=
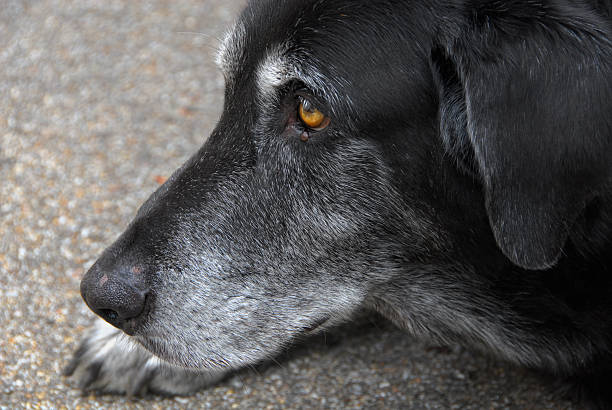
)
(108, 315)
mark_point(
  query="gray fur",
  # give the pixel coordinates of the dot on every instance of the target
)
(108, 361)
(263, 237)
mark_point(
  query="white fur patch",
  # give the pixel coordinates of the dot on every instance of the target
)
(280, 66)
(230, 53)
(274, 70)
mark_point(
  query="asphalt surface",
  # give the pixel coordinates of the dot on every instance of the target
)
(99, 102)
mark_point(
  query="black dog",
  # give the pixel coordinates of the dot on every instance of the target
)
(446, 163)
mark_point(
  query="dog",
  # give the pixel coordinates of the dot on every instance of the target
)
(447, 164)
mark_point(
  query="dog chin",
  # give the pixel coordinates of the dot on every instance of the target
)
(168, 353)
(184, 356)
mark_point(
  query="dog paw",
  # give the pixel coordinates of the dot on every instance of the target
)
(108, 362)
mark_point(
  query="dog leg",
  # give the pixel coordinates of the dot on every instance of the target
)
(108, 362)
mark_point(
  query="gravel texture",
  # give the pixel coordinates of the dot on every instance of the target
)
(99, 102)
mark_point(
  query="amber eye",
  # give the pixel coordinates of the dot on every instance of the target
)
(312, 117)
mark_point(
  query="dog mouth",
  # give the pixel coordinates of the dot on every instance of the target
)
(315, 325)
(201, 350)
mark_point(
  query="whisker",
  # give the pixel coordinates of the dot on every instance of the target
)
(216, 39)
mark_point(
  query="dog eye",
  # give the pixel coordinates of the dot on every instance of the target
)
(311, 116)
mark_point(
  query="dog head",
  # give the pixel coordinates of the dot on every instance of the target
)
(360, 142)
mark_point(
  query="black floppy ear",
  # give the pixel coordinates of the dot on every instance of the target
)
(526, 105)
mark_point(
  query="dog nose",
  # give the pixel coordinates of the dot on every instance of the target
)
(115, 295)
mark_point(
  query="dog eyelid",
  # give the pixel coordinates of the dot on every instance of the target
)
(306, 104)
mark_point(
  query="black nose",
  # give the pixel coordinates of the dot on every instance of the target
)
(116, 294)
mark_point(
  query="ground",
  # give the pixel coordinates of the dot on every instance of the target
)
(99, 102)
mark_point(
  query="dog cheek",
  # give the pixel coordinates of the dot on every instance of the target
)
(241, 323)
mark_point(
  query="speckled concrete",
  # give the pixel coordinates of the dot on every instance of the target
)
(99, 102)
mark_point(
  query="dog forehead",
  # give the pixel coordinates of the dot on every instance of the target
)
(265, 24)
(263, 31)
(315, 42)
(260, 26)
(275, 42)
(326, 26)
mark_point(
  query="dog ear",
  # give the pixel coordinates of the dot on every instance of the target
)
(527, 108)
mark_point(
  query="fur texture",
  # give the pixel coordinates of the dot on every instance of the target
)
(463, 188)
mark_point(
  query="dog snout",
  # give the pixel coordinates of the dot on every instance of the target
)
(118, 294)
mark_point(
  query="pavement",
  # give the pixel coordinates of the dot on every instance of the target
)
(99, 102)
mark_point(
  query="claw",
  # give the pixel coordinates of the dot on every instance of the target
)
(141, 383)
(91, 376)
(75, 361)
(106, 363)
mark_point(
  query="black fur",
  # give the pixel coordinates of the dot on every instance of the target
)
(463, 189)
